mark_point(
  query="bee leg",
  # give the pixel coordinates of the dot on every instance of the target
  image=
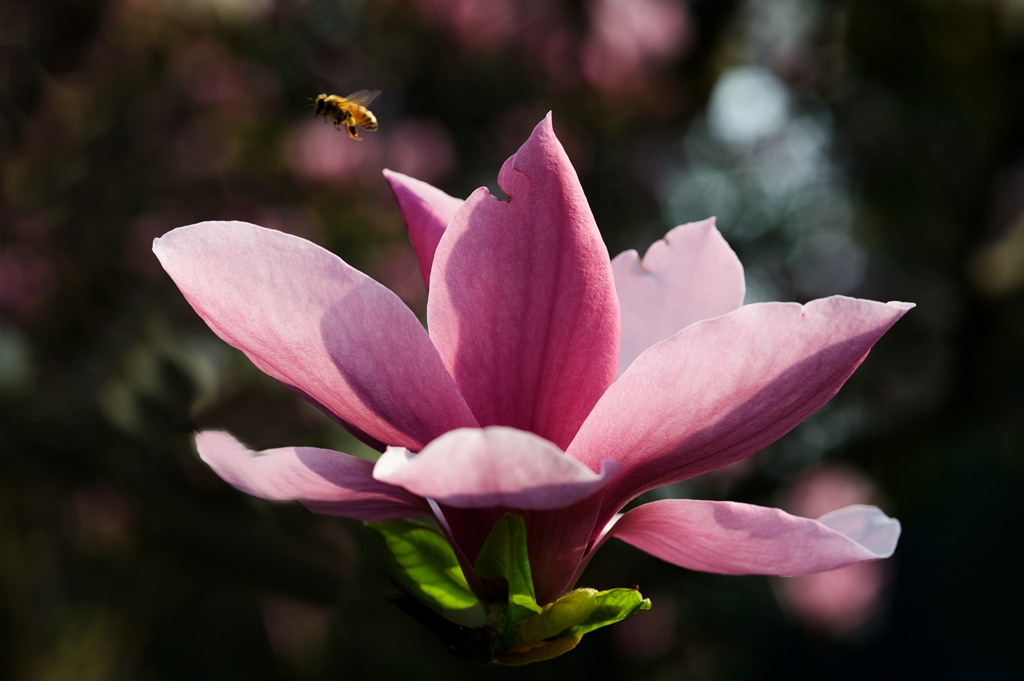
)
(352, 132)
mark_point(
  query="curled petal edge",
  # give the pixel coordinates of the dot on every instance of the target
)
(323, 480)
(742, 539)
(495, 467)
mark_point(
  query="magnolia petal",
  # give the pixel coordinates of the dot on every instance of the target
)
(522, 302)
(740, 539)
(557, 539)
(316, 324)
(558, 544)
(426, 211)
(867, 526)
(323, 480)
(690, 275)
(493, 467)
(722, 389)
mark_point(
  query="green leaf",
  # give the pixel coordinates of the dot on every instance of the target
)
(504, 556)
(579, 612)
(423, 562)
(611, 606)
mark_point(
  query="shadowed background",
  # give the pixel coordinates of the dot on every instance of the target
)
(869, 148)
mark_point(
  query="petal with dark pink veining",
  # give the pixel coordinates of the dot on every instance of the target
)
(690, 275)
(522, 302)
(323, 480)
(314, 323)
(722, 389)
(741, 539)
(426, 211)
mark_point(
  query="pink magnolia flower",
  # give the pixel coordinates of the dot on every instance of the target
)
(554, 383)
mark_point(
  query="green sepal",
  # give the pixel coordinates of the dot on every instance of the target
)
(504, 556)
(420, 558)
(579, 612)
(424, 564)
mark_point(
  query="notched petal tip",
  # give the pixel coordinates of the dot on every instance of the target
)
(689, 275)
(517, 288)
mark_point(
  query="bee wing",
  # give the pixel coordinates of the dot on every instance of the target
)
(363, 97)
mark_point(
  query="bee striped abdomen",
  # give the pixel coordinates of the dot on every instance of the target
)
(348, 111)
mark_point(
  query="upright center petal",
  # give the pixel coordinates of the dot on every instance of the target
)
(522, 304)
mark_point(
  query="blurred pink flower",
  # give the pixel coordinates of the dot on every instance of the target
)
(839, 602)
(627, 39)
(212, 76)
(480, 26)
(525, 397)
(314, 153)
(26, 281)
(423, 147)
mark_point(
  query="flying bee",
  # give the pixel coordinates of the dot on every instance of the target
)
(349, 111)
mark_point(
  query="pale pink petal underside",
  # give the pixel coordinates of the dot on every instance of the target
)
(316, 324)
(427, 211)
(690, 275)
(492, 467)
(866, 525)
(522, 302)
(740, 539)
(722, 389)
(323, 480)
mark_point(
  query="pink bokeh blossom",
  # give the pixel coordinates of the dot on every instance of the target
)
(627, 40)
(418, 146)
(554, 383)
(840, 602)
(479, 26)
(313, 153)
(212, 76)
(26, 281)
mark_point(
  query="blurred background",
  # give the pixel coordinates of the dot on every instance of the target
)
(871, 148)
